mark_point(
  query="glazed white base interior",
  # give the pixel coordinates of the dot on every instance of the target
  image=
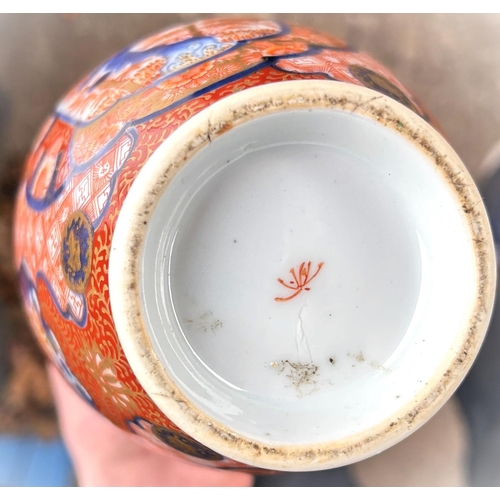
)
(321, 186)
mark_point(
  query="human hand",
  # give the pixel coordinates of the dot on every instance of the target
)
(104, 455)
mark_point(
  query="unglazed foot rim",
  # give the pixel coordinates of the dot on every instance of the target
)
(126, 267)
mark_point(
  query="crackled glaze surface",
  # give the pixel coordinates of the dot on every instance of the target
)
(86, 158)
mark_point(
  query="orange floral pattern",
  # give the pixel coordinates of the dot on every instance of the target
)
(237, 30)
(358, 69)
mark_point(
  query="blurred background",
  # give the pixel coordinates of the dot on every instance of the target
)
(450, 62)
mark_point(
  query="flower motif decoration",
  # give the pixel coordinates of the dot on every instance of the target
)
(102, 369)
(300, 279)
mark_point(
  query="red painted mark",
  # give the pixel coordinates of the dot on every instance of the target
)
(300, 280)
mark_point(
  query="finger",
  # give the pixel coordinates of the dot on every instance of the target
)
(104, 455)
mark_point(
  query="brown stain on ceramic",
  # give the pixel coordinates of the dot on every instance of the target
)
(204, 323)
(302, 376)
